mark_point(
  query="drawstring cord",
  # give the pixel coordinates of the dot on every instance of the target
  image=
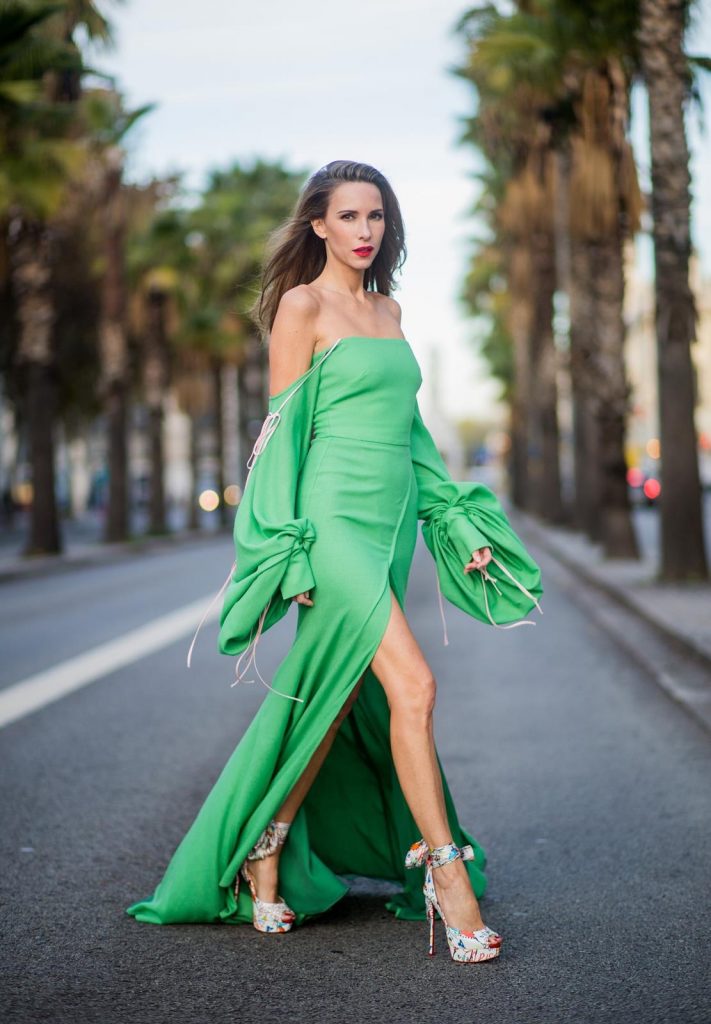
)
(486, 578)
(269, 425)
(520, 586)
(252, 660)
(205, 614)
(441, 611)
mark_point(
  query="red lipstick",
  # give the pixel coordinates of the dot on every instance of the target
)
(364, 250)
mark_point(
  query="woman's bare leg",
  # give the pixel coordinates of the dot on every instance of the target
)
(410, 687)
(265, 872)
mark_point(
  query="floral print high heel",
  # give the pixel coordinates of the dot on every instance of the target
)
(267, 917)
(464, 947)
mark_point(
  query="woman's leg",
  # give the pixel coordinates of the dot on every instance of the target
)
(409, 686)
(265, 872)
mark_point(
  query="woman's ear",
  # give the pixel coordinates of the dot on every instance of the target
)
(319, 227)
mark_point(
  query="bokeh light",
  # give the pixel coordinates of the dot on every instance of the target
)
(652, 488)
(233, 494)
(653, 448)
(209, 500)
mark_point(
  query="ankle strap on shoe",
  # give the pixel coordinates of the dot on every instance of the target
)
(420, 853)
(273, 836)
(441, 855)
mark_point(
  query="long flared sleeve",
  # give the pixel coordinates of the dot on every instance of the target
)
(458, 518)
(271, 543)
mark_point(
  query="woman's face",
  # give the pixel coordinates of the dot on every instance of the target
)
(355, 220)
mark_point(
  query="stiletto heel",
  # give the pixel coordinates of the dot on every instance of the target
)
(267, 917)
(464, 947)
(431, 920)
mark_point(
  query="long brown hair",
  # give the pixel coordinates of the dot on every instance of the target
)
(296, 255)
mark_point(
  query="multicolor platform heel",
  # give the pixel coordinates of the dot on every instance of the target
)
(267, 917)
(464, 947)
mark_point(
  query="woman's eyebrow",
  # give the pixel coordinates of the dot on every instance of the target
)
(377, 209)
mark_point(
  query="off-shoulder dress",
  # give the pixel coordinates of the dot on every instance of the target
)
(343, 470)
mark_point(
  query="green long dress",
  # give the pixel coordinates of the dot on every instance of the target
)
(341, 473)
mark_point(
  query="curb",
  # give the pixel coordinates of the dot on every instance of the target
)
(622, 595)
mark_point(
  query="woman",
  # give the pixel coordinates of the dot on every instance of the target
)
(338, 771)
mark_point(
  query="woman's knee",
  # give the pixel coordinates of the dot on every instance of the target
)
(416, 697)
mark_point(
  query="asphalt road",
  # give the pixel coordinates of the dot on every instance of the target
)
(587, 786)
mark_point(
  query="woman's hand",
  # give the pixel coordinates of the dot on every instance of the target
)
(303, 598)
(480, 558)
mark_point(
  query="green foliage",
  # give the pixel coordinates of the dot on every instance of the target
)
(485, 293)
(206, 250)
(37, 152)
(227, 230)
(527, 66)
(106, 118)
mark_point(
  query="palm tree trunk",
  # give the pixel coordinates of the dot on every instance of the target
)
(224, 511)
(116, 526)
(582, 345)
(561, 168)
(155, 383)
(44, 521)
(616, 529)
(543, 400)
(113, 349)
(157, 523)
(193, 517)
(253, 388)
(520, 317)
(31, 253)
(661, 32)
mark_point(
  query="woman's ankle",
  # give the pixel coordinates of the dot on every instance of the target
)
(450, 874)
(265, 874)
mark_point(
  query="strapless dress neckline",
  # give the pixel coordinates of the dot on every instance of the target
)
(355, 337)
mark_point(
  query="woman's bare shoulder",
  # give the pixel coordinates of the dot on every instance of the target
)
(299, 300)
(388, 304)
(295, 317)
(291, 340)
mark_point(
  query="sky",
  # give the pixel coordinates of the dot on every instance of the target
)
(306, 83)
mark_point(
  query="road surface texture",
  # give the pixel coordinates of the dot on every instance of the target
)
(587, 785)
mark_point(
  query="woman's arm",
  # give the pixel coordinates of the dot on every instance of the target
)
(271, 543)
(292, 338)
(461, 518)
(440, 496)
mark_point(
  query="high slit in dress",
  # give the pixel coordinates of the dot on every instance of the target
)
(342, 472)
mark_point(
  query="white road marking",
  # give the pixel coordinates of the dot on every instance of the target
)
(44, 688)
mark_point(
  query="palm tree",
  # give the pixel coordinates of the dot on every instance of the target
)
(509, 128)
(525, 220)
(194, 392)
(158, 287)
(604, 207)
(38, 159)
(157, 254)
(544, 83)
(239, 209)
(109, 122)
(667, 77)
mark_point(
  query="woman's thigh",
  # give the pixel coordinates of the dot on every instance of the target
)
(399, 664)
